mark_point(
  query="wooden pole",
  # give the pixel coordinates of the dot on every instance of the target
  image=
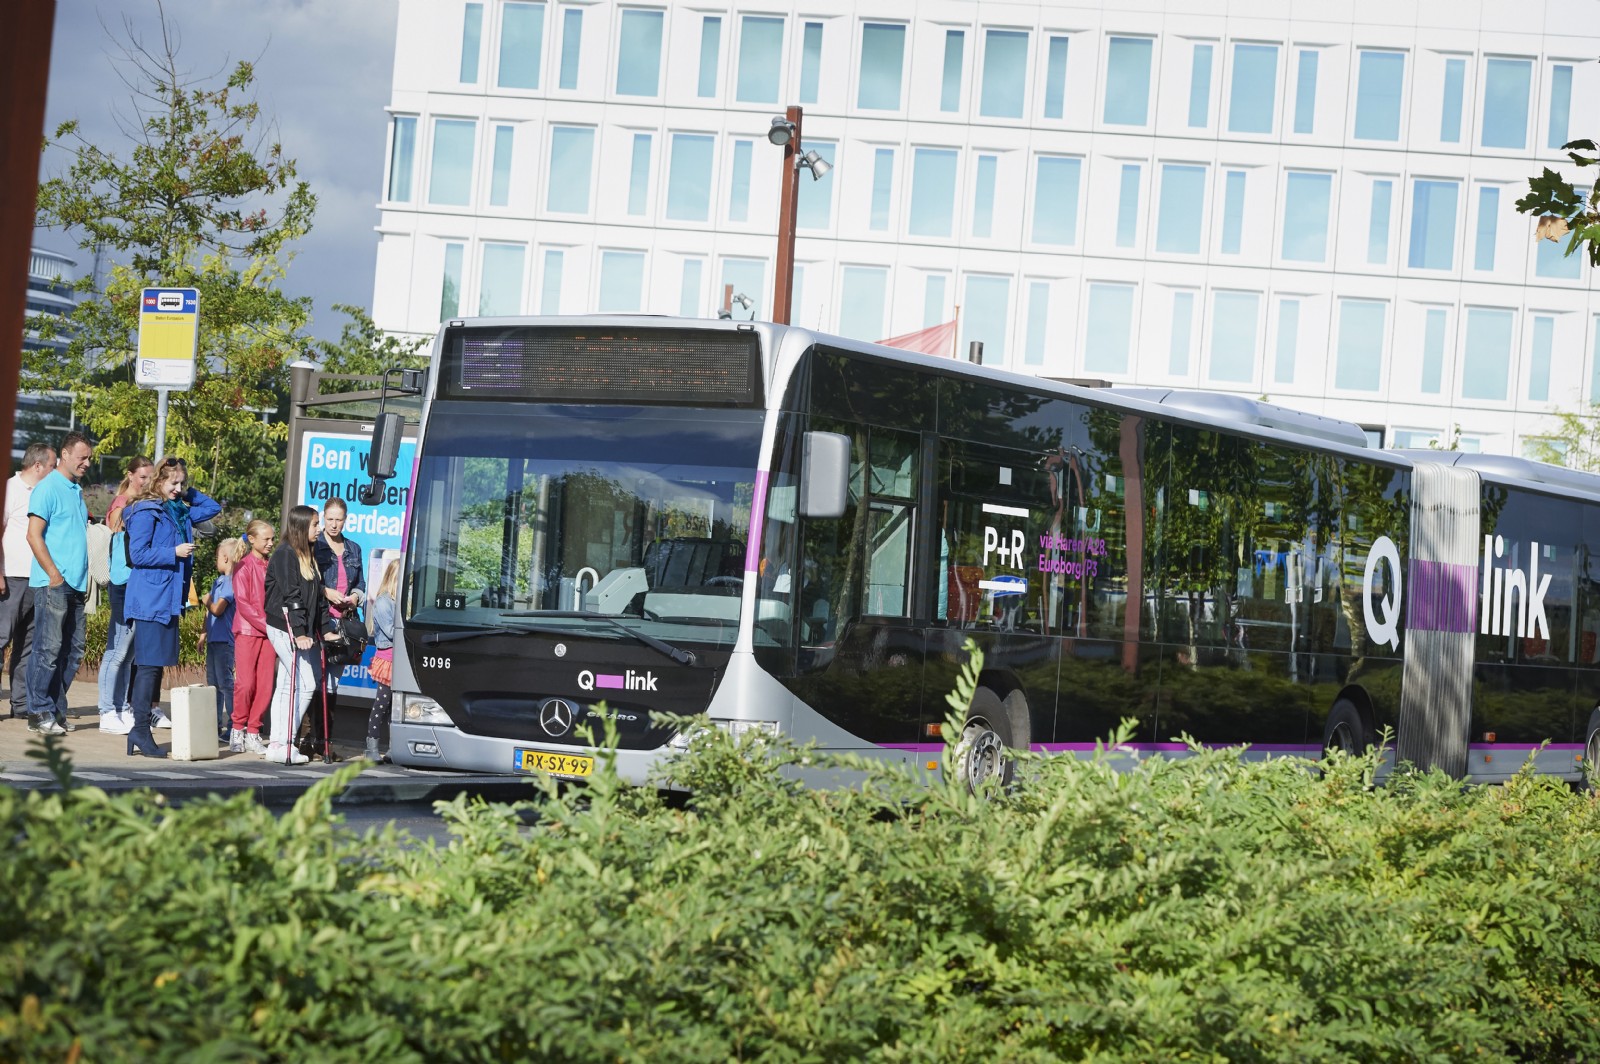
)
(788, 212)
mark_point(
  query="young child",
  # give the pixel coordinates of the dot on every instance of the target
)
(219, 631)
(380, 625)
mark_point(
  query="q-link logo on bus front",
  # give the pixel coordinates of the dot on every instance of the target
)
(1510, 600)
(628, 681)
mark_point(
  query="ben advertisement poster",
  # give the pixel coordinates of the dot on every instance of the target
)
(334, 465)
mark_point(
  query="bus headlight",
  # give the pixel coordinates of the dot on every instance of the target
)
(736, 728)
(414, 709)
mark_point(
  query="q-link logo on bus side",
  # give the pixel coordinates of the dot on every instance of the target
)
(1510, 602)
(556, 716)
(1385, 629)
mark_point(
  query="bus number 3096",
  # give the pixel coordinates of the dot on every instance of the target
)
(431, 662)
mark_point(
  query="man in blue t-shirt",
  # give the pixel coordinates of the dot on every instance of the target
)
(58, 523)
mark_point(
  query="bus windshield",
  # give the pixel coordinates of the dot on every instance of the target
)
(533, 515)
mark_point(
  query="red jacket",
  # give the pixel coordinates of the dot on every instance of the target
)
(250, 597)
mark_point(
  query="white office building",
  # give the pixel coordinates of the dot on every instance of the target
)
(1310, 201)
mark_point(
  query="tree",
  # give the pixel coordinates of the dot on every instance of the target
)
(198, 197)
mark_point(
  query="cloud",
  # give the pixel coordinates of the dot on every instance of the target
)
(323, 74)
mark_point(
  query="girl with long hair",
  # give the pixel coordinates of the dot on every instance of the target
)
(297, 620)
(254, 658)
(158, 586)
(380, 623)
(116, 671)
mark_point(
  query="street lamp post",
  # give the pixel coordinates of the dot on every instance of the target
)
(785, 133)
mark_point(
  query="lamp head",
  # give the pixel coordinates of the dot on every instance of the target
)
(782, 132)
(743, 300)
(816, 164)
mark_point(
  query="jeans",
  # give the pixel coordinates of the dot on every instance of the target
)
(57, 649)
(16, 635)
(219, 674)
(116, 667)
(289, 707)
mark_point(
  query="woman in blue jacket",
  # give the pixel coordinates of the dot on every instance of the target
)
(158, 587)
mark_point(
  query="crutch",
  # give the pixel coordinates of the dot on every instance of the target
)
(327, 735)
(294, 673)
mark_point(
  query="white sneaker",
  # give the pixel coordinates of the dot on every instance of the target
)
(115, 724)
(275, 754)
(253, 743)
(160, 720)
(236, 741)
(125, 717)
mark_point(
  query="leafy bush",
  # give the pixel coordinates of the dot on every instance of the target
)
(1204, 907)
(190, 624)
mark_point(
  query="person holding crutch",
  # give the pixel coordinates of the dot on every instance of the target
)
(297, 622)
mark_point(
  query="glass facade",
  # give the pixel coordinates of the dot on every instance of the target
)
(1506, 87)
(621, 282)
(689, 178)
(1108, 339)
(1379, 94)
(1128, 81)
(1433, 225)
(883, 52)
(1005, 73)
(933, 192)
(882, 188)
(450, 173)
(1305, 92)
(955, 42)
(760, 59)
(1358, 365)
(1178, 218)
(571, 159)
(639, 53)
(1486, 360)
(1305, 217)
(1234, 319)
(521, 45)
(500, 280)
(863, 290)
(1254, 89)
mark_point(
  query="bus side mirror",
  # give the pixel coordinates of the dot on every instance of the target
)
(825, 475)
(387, 430)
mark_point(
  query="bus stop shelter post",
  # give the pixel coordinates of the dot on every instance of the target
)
(302, 386)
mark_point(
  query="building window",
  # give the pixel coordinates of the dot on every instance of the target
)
(1200, 87)
(1455, 88)
(1182, 334)
(571, 157)
(521, 45)
(1055, 78)
(816, 201)
(1305, 91)
(1254, 89)
(1505, 103)
(1288, 340)
(500, 287)
(882, 188)
(983, 197)
(621, 282)
(1055, 200)
(863, 292)
(955, 46)
(571, 46)
(1550, 258)
(1486, 362)
(1544, 328)
(1379, 86)
(1488, 215)
(760, 59)
(1183, 195)
(402, 158)
(1433, 351)
(739, 190)
(1108, 335)
(933, 290)
(933, 192)
(639, 175)
(1359, 366)
(1560, 105)
(1415, 439)
(1005, 72)
(1233, 336)
(450, 286)
(1038, 323)
(1233, 212)
(748, 277)
(689, 178)
(810, 61)
(1594, 367)
(1433, 224)
(450, 173)
(500, 173)
(710, 55)
(1128, 81)
(985, 315)
(1378, 223)
(639, 54)
(471, 43)
(550, 294)
(1128, 206)
(689, 288)
(883, 51)
(1305, 217)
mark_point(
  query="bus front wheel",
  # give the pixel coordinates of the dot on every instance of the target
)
(1346, 730)
(1591, 752)
(982, 754)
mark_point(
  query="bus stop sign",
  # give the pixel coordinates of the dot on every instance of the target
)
(169, 335)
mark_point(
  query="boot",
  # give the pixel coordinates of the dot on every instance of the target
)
(147, 682)
(372, 750)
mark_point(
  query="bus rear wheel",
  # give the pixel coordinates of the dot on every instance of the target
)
(982, 754)
(1591, 753)
(1346, 730)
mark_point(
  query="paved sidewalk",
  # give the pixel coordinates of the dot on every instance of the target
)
(102, 760)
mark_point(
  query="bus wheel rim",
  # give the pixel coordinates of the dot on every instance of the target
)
(984, 755)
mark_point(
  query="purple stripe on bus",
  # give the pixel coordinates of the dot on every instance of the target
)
(608, 680)
(1158, 748)
(758, 515)
(1443, 597)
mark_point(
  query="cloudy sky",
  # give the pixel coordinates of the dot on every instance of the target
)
(323, 72)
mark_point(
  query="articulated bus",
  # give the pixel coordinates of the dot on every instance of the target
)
(795, 533)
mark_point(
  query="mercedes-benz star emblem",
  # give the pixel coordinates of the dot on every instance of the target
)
(555, 716)
(561, 650)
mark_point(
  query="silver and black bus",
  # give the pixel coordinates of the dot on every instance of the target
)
(795, 533)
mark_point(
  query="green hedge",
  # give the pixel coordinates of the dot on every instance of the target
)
(190, 624)
(1199, 908)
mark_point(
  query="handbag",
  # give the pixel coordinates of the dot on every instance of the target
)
(351, 645)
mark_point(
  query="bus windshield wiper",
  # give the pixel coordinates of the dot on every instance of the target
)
(434, 638)
(682, 657)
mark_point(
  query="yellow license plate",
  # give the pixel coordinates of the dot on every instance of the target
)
(554, 764)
